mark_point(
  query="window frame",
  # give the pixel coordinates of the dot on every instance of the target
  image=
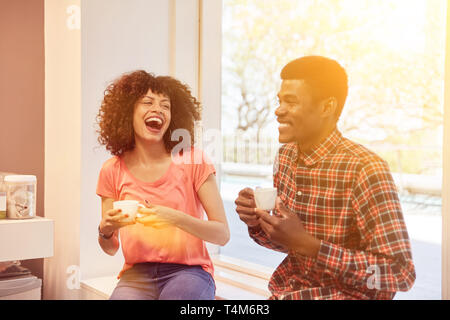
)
(249, 268)
(446, 170)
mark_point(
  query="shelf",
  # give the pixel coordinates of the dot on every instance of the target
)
(26, 239)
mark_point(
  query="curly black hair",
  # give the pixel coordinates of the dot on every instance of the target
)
(115, 117)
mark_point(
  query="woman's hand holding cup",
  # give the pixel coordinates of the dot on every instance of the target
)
(114, 220)
(123, 214)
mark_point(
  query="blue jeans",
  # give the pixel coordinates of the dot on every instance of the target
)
(164, 281)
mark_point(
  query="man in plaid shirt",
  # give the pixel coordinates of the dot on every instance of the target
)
(338, 216)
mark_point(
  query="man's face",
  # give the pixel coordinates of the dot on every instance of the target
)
(298, 114)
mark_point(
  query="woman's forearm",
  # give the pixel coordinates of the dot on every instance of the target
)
(212, 231)
(109, 246)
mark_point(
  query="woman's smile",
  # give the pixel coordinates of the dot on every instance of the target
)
(154, 123)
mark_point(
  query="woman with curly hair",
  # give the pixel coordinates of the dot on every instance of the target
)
(164, 248)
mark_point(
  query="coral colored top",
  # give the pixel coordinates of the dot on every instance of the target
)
(176, 189)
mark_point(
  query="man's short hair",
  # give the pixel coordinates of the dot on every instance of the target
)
(326, 77)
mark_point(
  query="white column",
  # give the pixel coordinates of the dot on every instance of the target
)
(210, 83)
(446, 172)
(62, 142)
(210, 79)
(185, 31)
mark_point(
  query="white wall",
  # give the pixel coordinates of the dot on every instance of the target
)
(117, 36)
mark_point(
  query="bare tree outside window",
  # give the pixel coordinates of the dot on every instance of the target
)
(394, 58)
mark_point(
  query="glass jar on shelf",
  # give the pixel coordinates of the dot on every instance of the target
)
(20, 196)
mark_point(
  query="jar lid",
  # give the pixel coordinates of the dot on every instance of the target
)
(20, 178)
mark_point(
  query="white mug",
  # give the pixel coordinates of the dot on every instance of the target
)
(265, 198)
(129, 207)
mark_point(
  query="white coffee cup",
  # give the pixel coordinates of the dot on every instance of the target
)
(129, 207)
(265, 198)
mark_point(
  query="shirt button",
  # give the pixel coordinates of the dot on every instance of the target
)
(299, 193)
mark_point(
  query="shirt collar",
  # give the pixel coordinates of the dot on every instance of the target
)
(318, 150)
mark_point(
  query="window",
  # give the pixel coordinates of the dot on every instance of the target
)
(394, 107)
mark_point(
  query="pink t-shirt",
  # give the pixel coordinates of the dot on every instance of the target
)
(176, 189)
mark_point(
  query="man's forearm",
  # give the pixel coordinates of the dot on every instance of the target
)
(308, 246)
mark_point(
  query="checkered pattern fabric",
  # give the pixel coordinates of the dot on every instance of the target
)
(346, 197)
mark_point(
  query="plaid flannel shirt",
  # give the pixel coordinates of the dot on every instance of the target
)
(345, 197)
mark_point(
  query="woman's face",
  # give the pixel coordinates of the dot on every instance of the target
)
(151, 117)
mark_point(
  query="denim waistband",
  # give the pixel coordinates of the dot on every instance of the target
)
(158, 268)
